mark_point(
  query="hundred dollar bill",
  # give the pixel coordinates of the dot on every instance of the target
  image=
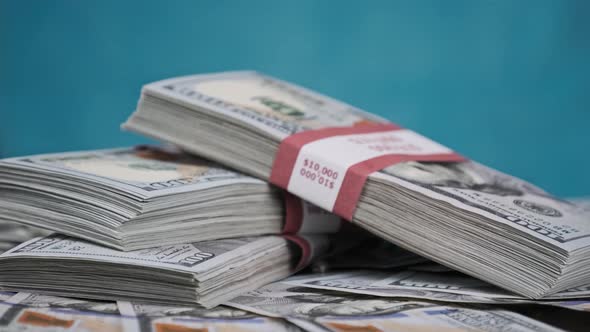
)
(464, 215)
(32, 312)
(324, 310)
(134, 198)
(205, 273)
(430, 286)
(156, 317)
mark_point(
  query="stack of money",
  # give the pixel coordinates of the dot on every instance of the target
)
(427, 199)
(205, 273)
(135, 198)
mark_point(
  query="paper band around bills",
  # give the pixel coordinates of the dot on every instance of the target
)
(329, 167)
(306, 251)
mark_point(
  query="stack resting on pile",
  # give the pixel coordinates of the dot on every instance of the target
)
(134, 198)
(462, 214)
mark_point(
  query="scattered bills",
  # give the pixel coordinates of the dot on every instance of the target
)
(321, 310)
(34, 312)
(425, 285)
(135, 198)
(462, 214)
(205, 273)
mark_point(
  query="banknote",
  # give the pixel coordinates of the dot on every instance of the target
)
(432, 286)
(154, 317)
(31, 312)
(408, 284)
(34, 312)
(325, 310)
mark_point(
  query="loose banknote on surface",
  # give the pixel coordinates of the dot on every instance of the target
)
(134, 198)
(392, 181)
(321, 310)
(420, 284)
(34, 312)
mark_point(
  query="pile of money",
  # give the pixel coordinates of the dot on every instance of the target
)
(456, 212)
(135, 198)
(175, 238)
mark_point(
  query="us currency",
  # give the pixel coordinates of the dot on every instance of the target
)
(431, 286)
(154, 317)
(128, 198)
(324, 310)
(204, 273)
(32, 312)
(451, 213)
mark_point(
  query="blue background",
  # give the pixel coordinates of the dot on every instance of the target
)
(503, 82)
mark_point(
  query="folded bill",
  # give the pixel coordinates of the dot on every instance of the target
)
(397, 184)
(134, 198)
(205, 273)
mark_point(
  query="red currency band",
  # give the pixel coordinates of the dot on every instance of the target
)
(293, 214)
(305, 251)
(356, 174)
(289, 148)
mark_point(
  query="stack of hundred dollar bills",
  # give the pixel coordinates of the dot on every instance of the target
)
(461, 214)
(146, 223)
(190, 236)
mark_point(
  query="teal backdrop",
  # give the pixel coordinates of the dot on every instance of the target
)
(506, 83)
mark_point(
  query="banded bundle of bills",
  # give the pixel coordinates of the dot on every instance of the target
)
(397, 184)
(205, 273)
(134, 198)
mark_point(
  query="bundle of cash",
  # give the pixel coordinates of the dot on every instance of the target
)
(396, 183)
(205, 273)
(135, 198)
